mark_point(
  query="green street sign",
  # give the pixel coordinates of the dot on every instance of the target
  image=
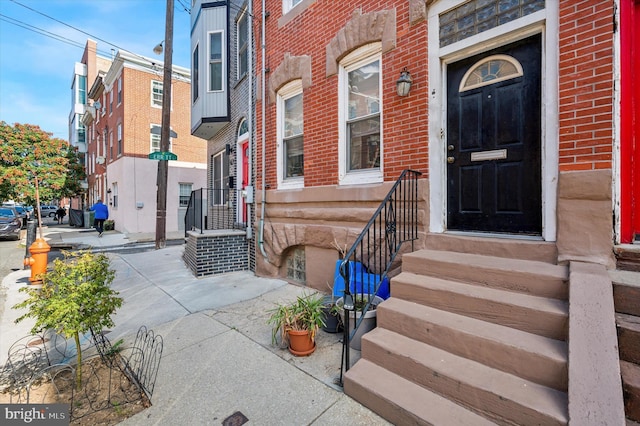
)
(162, 155)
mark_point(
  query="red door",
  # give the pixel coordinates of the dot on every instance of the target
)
(629, 122)
(245, 179)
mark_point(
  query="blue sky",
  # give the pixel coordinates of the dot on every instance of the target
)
(36, 69)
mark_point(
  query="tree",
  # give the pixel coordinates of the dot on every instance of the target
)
(75, 297)
(26, 151)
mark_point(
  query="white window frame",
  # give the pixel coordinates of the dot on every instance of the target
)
(242, 49)
(153, 138)
(111, 101)
(288, 91)
(159, 84)
(184, 193)
(210, 62)
(120, 148)
(222, 197)
(119, 90)
(354, 60)
(287, 5)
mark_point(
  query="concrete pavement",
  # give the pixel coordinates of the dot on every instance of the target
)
(217, 358)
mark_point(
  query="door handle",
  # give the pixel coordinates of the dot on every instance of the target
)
(450, 148)
(450, 160)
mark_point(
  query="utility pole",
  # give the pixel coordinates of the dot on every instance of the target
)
(163, 165)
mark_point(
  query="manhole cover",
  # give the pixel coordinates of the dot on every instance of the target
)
(236, 419)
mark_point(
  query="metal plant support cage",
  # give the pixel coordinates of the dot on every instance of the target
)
(40, 369)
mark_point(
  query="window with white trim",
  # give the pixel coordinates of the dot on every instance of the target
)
(290, 134)
(185, 194)
(111, 102)
(156, 131)
(242, 34)
(287, 5)
(219, 178)
(359, 110)
(216, 68)
(119, 139)
(119, 90)
(156, 94)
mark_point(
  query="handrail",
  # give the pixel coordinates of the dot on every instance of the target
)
(211, 208)
(366, 264)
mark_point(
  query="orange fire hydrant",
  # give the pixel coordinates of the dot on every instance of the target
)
(39, 259)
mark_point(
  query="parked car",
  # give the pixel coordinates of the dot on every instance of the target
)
(12, 207)
(48, 211)
(23, 212)
(10, 223)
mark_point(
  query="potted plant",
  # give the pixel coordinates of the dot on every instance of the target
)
(369, 320)
(332, 320)
(298, 322)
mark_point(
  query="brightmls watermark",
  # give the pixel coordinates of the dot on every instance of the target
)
(34, 414)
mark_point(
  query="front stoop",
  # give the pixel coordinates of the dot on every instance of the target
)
(626, 296)
(474, 328)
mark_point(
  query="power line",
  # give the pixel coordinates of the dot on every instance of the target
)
(83, 32)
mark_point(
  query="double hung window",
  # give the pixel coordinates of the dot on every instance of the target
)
(290, 135)
(360, 150)
(216, 71)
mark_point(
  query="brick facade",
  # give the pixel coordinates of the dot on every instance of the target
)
(586, 85)
(216, 252)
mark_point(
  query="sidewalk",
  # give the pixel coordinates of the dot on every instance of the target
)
(217, 358)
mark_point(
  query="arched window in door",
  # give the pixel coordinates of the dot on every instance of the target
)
(491, 70)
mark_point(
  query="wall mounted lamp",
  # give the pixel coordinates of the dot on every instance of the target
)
(403, 85)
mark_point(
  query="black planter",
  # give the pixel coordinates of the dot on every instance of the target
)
(332, 321)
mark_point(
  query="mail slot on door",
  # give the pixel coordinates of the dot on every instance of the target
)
(497, 154)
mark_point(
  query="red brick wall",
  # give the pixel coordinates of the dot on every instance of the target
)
(137, 115)
(586, 84)
(405, 120)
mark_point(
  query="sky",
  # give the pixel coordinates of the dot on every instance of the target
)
(41, 40)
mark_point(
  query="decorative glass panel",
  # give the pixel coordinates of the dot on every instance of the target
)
(491, 70)
(296, 265)
(477, 16)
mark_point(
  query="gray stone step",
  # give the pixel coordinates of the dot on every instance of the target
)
(502, 397)
(530, 356)
(540, 315)
(401, 401)
(511, 248)
(530, 277)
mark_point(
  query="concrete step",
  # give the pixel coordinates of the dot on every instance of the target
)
(403, 402)
(535, 358)
(524, 276)
(628, 337)
(631, 387)
(502, 397)
(510, 248)
(628, 257)
(626, 291)
(539, 315)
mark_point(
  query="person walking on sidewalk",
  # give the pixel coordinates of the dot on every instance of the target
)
(102, 214)
(60, 214)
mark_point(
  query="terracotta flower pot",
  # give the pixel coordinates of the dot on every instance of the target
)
(300, 343)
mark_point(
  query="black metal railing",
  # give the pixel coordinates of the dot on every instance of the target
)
(366, 265)
(211, 208)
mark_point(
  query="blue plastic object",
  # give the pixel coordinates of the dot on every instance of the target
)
(360, 281)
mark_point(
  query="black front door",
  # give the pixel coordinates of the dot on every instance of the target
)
(493, 140)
